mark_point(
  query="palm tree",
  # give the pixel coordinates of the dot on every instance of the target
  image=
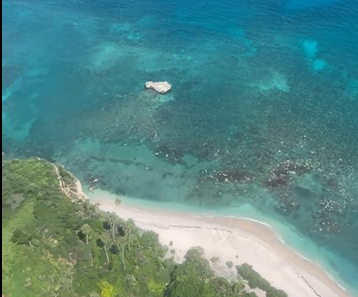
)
(130, 225)
(117, 203)
(113, 217)
(86, 230)
(105, 239)
(113, 222)
(86, 209)
(121, 242)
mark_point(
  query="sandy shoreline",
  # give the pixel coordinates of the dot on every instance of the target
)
(236, 240)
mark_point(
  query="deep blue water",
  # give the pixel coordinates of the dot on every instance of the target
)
(263, 110)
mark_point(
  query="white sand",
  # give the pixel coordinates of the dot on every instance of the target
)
(253, 243)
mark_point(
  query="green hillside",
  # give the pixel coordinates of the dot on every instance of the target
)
(56, 244)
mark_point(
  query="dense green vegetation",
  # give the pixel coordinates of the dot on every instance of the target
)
(56, 244)
(255, 280)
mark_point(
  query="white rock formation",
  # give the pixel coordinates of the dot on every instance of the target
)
(161, 87)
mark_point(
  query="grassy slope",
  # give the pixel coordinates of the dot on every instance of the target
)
(26, 270)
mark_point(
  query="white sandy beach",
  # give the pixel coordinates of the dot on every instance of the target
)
(236, 240)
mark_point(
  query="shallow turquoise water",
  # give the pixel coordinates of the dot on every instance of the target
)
(263, 110)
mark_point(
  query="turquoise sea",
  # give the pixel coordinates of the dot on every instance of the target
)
(261, 121)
